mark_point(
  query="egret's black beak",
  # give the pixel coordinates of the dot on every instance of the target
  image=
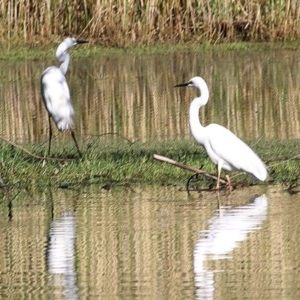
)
(81, 42)
(181, 84)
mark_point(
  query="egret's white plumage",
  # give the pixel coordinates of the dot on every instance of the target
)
(57, 99)
(55, 91)
(223, 147)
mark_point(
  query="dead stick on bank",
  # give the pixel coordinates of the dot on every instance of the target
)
(186, 167)
(32, 154)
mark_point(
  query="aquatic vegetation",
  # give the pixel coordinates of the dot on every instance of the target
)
(122, 163)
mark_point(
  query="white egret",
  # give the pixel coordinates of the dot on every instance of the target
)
(56, 94)
(223, 147)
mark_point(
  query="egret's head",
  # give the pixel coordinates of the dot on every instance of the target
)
(67, 44)
(70, 42)
(197, 82)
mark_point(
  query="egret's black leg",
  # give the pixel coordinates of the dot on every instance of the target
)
(74, 139)
(50, 135)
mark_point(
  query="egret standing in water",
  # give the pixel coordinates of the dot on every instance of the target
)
(223, 147)
(56, 94)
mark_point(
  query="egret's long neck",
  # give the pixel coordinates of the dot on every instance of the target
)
(195, 125)
(65, 59)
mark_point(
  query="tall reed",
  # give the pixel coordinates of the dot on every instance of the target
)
(140, 22)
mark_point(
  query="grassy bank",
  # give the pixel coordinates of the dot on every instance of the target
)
(125, 23)
(122, 163)
(94, 50)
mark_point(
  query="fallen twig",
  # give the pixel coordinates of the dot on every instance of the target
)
(186, 167)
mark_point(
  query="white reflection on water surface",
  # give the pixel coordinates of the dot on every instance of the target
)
(227, 228)
(61, 255)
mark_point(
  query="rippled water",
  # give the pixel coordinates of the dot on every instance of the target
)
(153, 242)
(150, 243)
(255, 94)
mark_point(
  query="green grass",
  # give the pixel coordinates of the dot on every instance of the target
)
(122, 163)
(96, 50)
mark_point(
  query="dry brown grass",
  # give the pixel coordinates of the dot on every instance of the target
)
(128, 22)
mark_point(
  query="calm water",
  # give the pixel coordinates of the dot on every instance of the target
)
(150, 243)
(153, 242)
(256, 95)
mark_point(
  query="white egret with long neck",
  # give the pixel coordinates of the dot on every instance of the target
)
(56, 94)
(223, 147)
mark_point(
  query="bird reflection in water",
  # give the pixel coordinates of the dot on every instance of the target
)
(227, 228)
(61, 256)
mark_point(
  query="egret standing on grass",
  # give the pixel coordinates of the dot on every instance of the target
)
(55, 92)
(223, 147)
